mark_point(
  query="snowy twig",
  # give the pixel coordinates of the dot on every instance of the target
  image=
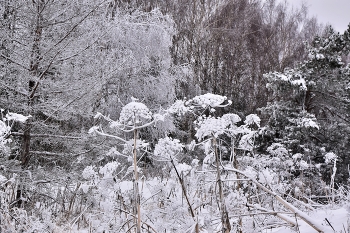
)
(151, 196)
(289, 206)
(110, 135)
(130, 214)
(280, 215)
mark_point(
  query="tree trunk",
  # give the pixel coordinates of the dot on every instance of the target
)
(34, 70)
(25, 156)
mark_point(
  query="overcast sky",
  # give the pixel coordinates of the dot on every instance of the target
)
(334, 12)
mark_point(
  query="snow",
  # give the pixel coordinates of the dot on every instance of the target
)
(109, 168)
(301, 83)
(277, 149)
(211, 126)
(252, 119)
(159, 117)
(266, 176)
(303, 165)
(89, 172)
(233, 119)
(133, 112)
(3, 179)
(178, 108)
(85, 187)
(297, 156)
(208, 100)
(309, 123)
(16, 117)
(4, 129)
(168, 147)
(183, 168)
(338, 218)
(329, 157)
(93, 130)
(125, 186)
(247, 141)
(319, 56)
(98, 115)
(129, 146)
(283, 77)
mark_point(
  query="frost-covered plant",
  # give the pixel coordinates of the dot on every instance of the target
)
(331, 157)
(211, 129)
(168, 147)
(207, 127)
(219, 200)
(134, 113)
(179, 108)
(6, 123)
(209, 100)
(252, 120)
(228, 125)
(133, 117)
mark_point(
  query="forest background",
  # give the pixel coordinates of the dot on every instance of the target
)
(278, 112)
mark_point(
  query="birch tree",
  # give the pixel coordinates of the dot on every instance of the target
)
(63, 60)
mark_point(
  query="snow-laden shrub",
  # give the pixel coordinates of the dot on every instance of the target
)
(16, 117)
(247, 141)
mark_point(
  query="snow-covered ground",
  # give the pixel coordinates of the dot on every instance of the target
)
(339, 219)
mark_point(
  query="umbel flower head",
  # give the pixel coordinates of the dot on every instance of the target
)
(209, 100)
(168, 147)
(134, 112)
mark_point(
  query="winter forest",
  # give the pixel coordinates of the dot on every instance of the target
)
(172, 116)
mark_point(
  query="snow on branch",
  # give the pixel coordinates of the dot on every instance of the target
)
(289, 206)
(6, 125)
(16, 117)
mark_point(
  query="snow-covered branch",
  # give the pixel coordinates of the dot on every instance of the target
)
(289, 206)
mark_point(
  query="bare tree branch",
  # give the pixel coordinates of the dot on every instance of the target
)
(46, 135)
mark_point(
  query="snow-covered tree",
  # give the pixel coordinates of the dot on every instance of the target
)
(310, 103)
(62, 60)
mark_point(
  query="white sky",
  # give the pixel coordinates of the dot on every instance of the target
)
(334, 12)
